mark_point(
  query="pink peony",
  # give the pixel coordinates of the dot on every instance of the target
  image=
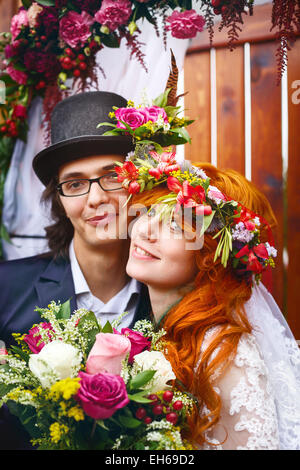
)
(101, 395)
(33, 339)
(74, 28)
(186, 24)
(17, 75)
(107, 354)
(154, 112)
(113, 13)
(18, 20)
(139, 342)
(132, 116)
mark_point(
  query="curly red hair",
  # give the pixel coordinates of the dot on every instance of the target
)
(217, 299)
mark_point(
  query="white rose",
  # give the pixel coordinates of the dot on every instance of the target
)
(154, 360)
(56, 361)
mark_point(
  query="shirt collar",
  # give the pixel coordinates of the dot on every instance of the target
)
(80, 284)
(118, 303)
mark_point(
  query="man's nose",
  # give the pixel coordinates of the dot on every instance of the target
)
(97, 195)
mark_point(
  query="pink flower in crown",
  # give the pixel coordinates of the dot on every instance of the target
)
(133, 117)
(189, 196)
(166, 163)
(18, 20)
(74, 28)
(186, 24)
(155, 111)
(17, 75)
(114, 13)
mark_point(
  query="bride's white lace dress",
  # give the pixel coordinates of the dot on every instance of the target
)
(260, 392)
(248, 416)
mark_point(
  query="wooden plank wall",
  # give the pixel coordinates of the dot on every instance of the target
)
(267, 160)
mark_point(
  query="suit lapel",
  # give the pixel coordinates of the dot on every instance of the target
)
(144, 307)
(56, 283)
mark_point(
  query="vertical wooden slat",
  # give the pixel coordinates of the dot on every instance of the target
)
(230, 108)
(197, 105)
(7, 9)
(266, 145)
(293, 193)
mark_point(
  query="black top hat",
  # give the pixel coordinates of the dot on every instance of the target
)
(74, 132)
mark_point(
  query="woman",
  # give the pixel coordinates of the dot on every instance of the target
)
(210, 307)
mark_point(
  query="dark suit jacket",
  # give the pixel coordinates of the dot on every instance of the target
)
(25, 284)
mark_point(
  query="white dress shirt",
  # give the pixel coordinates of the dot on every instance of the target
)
(126, 300)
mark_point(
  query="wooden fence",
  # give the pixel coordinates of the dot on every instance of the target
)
(245, 121)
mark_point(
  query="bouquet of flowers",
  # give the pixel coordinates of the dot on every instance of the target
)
(76, 385)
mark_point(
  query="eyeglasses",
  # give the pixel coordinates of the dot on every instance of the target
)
(79, 187)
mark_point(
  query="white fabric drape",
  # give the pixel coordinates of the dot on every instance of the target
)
(22, 213)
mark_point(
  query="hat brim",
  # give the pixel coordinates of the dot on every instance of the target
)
(47, 162)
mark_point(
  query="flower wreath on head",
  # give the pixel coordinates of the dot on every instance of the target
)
(156, 128)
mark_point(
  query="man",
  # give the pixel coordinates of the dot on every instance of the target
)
(88, 242)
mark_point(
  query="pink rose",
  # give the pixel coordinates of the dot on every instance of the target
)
(155, 111)
(139, 342)
(17, 75)
(107, 354)
(18, 20)
(185, 24)
(33, 339)
(101, 395)
(74, 28)
(132, 116)
(113, 13)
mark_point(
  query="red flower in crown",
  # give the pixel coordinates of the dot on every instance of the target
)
(127, 173)
(253, 264)
(189, 196)
(246, 217)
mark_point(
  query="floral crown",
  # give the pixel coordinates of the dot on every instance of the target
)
(237, 228)
(156, 128)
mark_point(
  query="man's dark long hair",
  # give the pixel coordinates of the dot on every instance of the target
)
(61, 232)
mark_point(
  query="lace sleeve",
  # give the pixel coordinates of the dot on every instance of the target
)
(248, 416)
